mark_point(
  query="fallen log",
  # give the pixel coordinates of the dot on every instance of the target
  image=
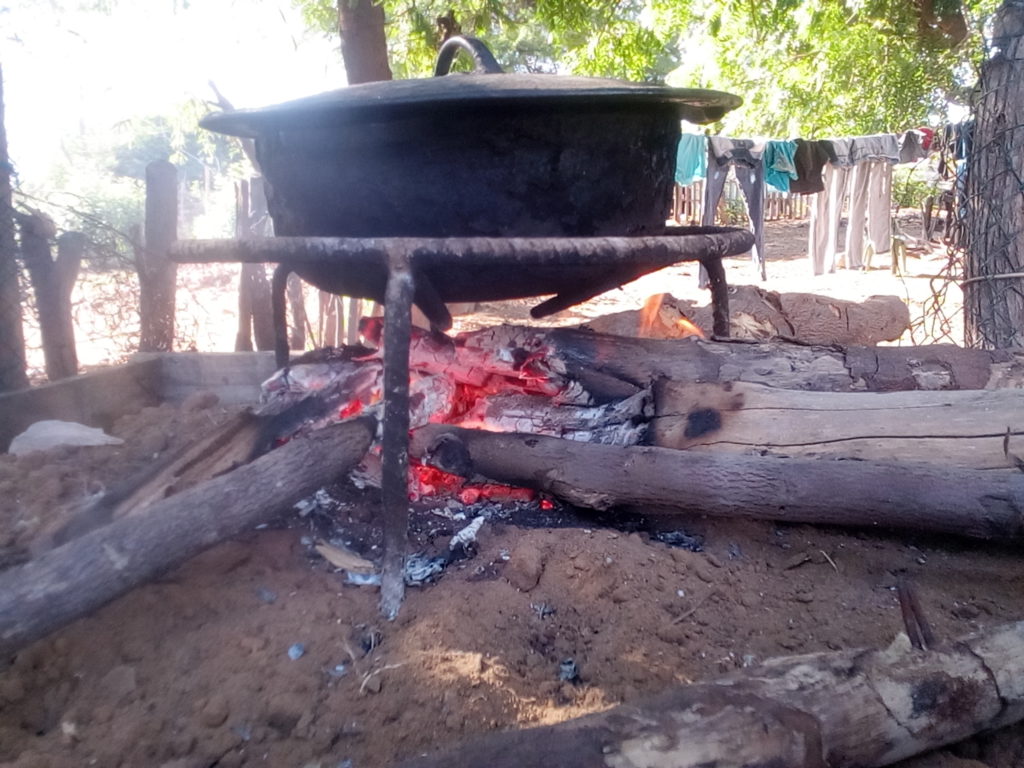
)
(851, 709)
(972, 429)
(87, 572)
(981, 504)
(758, 315)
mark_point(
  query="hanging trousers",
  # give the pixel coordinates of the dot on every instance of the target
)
(870, 197)
(869, 185)
(751, 181)
(826, 214)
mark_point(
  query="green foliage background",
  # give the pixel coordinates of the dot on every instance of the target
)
(810, 68)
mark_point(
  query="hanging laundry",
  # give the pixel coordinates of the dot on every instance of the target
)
(912, 147)
(928, 136)
(779, 165)
(691, 158)
(810, 159)
(746, 156)
(879, 146)
(841, 152)
(826, 216)
(870, 190)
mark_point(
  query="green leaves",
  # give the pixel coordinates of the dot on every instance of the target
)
(804, 67)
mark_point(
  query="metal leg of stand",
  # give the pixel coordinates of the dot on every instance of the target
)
(395, 441)
(719, 296)
(278, 308)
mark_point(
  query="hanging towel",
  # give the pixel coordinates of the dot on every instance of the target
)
(691, 158)
(779, 165)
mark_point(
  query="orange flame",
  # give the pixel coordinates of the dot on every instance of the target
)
(649, 313)
(650, 316)
(689, 329)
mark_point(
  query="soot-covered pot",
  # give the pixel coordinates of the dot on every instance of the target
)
(484, 154)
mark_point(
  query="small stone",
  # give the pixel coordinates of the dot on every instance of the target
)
(215, 712)
(804, 597)
(69, 734)
(296, 651)
(525, 568)
(373, 684)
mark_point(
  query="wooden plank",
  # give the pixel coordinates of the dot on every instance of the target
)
(953, 428)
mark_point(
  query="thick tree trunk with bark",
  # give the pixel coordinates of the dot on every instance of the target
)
(12, 337)
(157, 273)
(994, 268)
(53, 282)
(850, 709)
(923, 497)
(87, 572)
(363, 44)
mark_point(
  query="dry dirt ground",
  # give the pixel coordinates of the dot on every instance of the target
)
(195, 670)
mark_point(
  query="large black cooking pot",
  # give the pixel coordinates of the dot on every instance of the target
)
(486, 153)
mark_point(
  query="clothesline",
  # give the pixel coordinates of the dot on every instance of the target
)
(831, 169)
(797, 165)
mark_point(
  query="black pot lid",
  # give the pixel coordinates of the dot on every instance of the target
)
(487, 89)
(458, 92)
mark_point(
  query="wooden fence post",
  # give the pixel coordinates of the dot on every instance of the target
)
(157, 273)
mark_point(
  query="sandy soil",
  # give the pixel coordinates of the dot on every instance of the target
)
(194, 669)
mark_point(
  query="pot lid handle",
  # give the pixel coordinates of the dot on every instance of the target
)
(484, 60)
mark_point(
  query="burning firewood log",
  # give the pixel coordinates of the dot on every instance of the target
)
(848, 709)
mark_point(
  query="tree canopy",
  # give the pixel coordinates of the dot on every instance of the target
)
(804, 67)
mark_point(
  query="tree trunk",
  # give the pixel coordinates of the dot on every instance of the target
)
(994, 264)
(72, 580)
(364, 47)
(52, 282)
(12, 336)
(850, 709)
(920, 497)
(157, 273)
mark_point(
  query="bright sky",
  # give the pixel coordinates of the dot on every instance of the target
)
(66, 70)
